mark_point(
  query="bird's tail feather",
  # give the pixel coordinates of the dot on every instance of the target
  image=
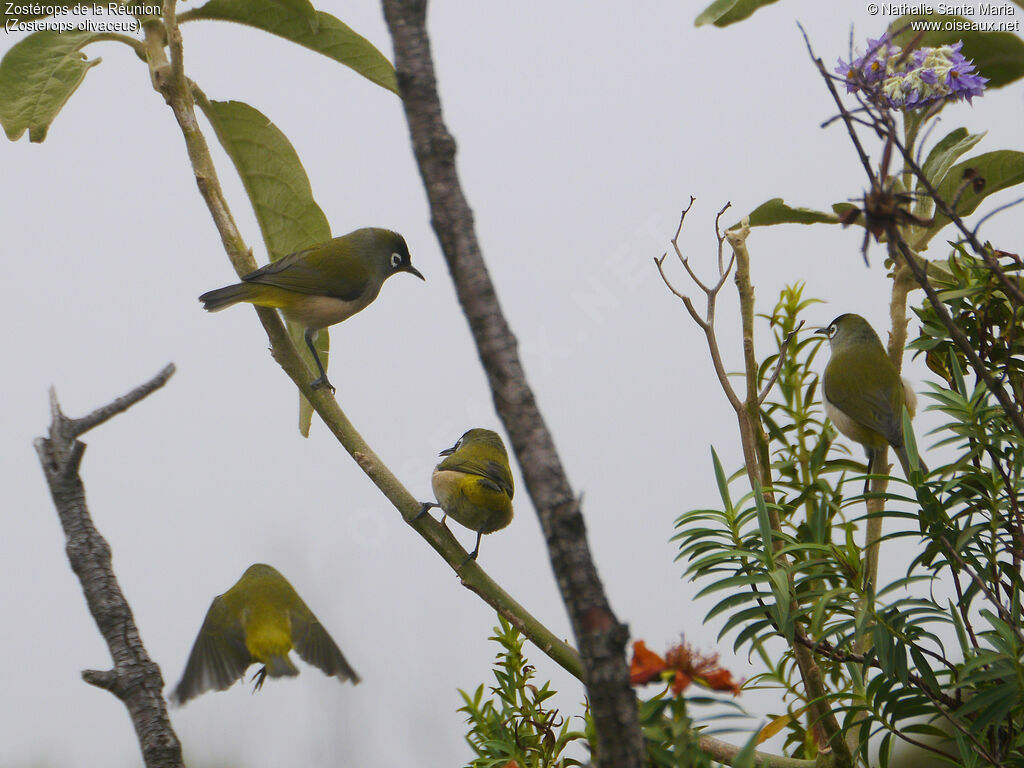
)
(281, 666)
(214, 301)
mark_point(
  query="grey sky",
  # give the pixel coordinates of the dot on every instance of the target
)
(582, 129)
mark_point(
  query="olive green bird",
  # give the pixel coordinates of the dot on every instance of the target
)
(864, 394)
(259, 620)
(322, 285)
(473, 484)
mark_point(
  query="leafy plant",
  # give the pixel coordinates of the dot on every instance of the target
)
(514, 725)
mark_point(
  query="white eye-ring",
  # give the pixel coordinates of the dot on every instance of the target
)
(832, 330)
(396, 259)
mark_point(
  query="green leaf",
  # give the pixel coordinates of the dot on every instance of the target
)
(1000, 169)
(37, 77)
(999, 56)
(945, 152)
(328, 35)
(775, 211)
(303, 8)
(722, 13)
(281, 197)
(723, 483)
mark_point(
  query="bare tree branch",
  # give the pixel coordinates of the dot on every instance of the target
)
(601, 637)
(135, 678)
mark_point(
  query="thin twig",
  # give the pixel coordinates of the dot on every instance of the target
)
(864, 160)
(778, 364)
(121, 404)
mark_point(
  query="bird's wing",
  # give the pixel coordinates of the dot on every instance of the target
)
(880, 415)
(317, 271)
(317, 647)
(493, 472)
(219, 656)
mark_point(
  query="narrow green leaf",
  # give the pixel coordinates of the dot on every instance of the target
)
(328, 35)
(723, 483)
(281, 197)
(1000, 169)
(999, 56)
(775, 211)
(961, 630)
(764, 525)
(722, 13)
(37, 77)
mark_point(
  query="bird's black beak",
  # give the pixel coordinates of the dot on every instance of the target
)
(447, 451)
(822, 331)
(413, 271)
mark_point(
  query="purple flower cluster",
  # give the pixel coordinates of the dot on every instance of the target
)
(918, 79)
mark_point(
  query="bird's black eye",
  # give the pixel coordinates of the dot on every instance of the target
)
(396, 259)
(832, 330)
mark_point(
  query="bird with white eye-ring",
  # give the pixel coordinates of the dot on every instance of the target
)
(322, 285)
(863, 392)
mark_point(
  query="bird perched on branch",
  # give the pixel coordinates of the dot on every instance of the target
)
(322, 285)
(259, 620)
(863, 392)
(473, 484)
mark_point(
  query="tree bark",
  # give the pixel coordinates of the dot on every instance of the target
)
(601, 638)
(135, 678)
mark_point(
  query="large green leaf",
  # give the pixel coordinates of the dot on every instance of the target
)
(946, 152)
(303, 8)
(328, 35)
(281, 196)
(1000, 169)
(722, 13)
(941, 158)
(272, 173)
(37, 77)
(775, 211)
(999, 56)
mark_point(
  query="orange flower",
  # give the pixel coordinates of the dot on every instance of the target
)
(681, 665)
(646, 664)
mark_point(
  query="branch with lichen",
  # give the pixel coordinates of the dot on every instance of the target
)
(168, 77)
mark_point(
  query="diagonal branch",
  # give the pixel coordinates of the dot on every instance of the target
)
(601, 637)
(168, 77)
(135, 678)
